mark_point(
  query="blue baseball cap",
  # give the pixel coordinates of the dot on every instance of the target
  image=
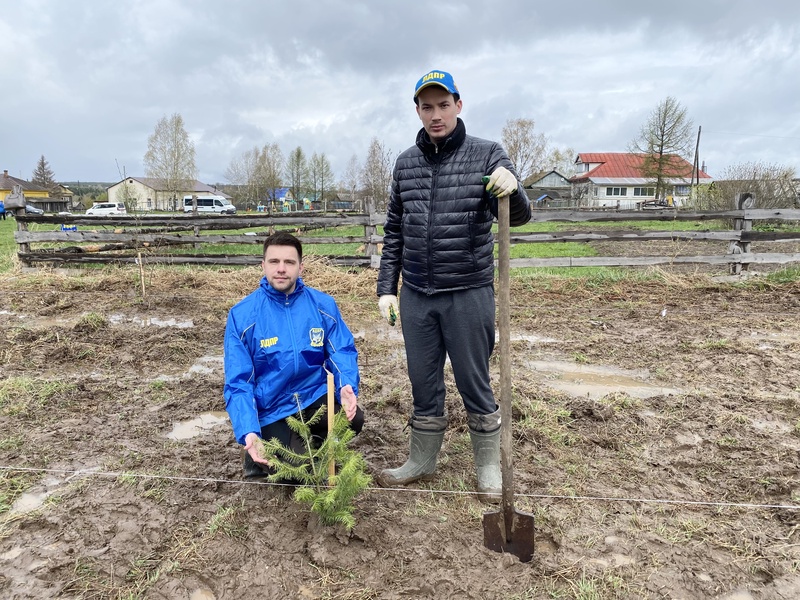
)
(436, 77)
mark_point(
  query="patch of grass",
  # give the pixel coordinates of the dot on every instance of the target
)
(91, 322)
(580, 358)
(227, 521)
(152, 486)
(586, 589)
(789, 274)
(620, 401)
(714, 344)
(24, 395)
(11, 442)
(544, 419)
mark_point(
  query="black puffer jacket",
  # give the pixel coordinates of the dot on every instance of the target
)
(438, 229)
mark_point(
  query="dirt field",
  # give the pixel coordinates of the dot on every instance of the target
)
(656, 429)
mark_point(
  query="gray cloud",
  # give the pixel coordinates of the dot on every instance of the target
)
(85, 83)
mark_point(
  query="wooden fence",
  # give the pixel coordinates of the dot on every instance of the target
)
(143, 238)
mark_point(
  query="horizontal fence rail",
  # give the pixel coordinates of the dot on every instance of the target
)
(143, 238)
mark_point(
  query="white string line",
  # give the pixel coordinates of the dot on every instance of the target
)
(88, 472)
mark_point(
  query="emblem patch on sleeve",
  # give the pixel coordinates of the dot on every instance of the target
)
(317, 337)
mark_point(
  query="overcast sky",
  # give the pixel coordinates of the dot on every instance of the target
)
(86, 81)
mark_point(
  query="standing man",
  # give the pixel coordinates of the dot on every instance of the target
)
(438, 234)
(280, 341)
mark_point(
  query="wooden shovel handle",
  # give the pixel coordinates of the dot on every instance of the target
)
(504, 322)
(331, 464)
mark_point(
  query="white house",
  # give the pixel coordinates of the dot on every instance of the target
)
(148, 193)
(614, 179)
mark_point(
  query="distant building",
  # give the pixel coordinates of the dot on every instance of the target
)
(614, 179)
(35, 195)
(555, 185)
(149, 193)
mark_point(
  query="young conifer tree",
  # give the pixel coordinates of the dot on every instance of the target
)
(331, 498)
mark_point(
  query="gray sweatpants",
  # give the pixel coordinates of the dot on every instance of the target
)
(457, 324)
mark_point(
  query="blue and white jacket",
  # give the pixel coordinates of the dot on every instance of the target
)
(277, 350)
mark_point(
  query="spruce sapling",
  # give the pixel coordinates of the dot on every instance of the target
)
(331, 498)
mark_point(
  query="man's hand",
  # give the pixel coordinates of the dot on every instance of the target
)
(388, 307)
(501, 183)
(251, 446)
(349, 401)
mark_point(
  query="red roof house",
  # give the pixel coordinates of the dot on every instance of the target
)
(617, 179)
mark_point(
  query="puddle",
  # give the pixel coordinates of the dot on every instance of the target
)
(205, 365)
(115, 319)
(188, 429)
(150, 321)
(772, 426)
(28, 502)
(533, 339)
(595, 381)
(33, 500)
(384, 331)
(11, 554)
(396, 334)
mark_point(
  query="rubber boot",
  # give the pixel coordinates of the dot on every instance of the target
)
(484, 432)
(251, 468)
(427, 434)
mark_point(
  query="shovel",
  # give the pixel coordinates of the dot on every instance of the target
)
(509, 530)
(331, 464)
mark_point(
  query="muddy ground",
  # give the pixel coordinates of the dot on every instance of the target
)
(656, 431)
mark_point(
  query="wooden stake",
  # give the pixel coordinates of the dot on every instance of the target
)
(331, 464)
(141, 272)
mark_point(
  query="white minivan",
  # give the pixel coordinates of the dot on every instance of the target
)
(106, 208)
(212, 204)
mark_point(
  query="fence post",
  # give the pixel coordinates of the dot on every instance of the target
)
(744, 201)
(370, 229)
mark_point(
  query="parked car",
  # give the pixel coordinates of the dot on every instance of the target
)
(107, 208)
(34, 210)
(212, 204)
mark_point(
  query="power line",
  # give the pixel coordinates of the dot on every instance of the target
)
(778, 137)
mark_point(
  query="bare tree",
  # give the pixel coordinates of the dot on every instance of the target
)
(297, 173)
(562, 160)
(580, 193)
(242, 171)
(376, 176)
(170, 156)
(349, 182)
(772, 184)
(270, 170)
(320, 176)
(526, 148)
(667, 134)
(43, 175)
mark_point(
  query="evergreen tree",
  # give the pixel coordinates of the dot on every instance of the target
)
(43, 175)
(330, 497)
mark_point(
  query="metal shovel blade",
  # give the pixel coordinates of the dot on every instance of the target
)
(509, 530)
(521, 541)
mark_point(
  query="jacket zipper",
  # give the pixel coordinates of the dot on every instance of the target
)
(291, 336)
(434, 176)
